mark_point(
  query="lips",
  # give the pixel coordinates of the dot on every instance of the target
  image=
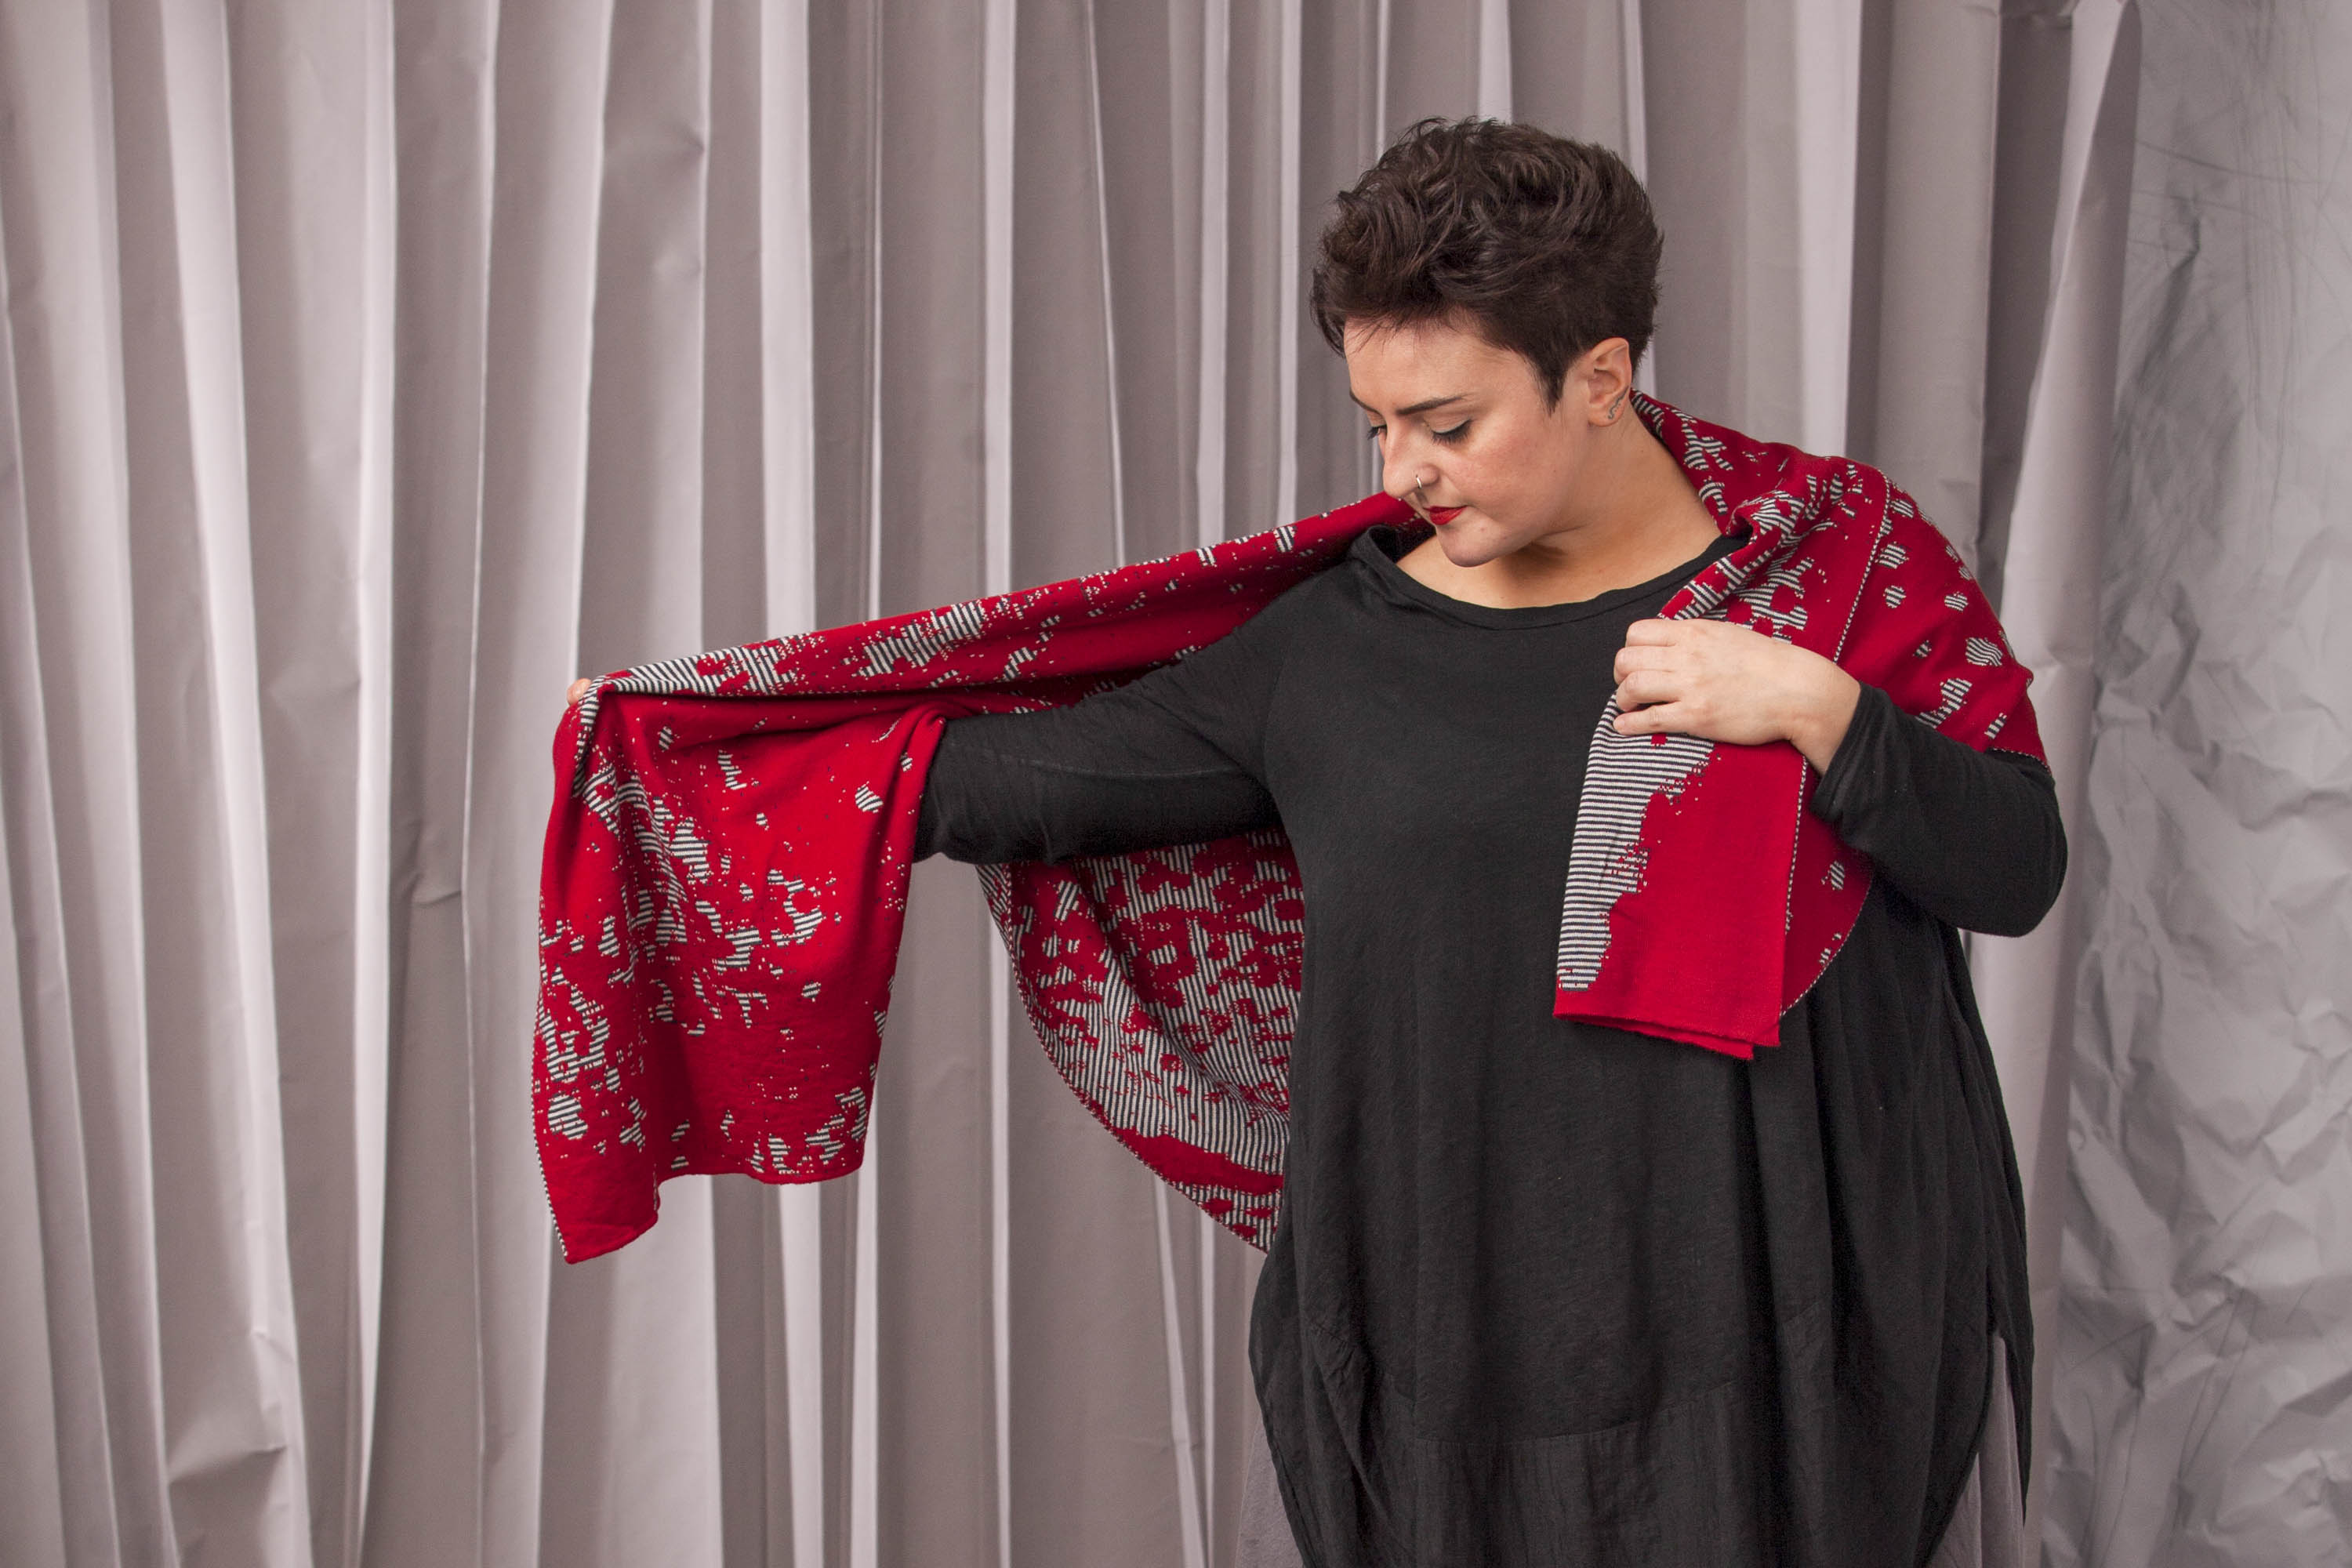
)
(1442, 515)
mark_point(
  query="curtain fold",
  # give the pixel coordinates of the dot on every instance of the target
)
(43, 1425)
(373, 369)
(2044, 549)
(85, 1052)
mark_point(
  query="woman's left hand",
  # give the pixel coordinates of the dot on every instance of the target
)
(1723, 682)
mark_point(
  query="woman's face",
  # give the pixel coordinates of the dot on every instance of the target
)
(1467, 438)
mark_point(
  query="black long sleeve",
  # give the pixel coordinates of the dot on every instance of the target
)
(1972, 837)
(1086, 780)
(1176, 757)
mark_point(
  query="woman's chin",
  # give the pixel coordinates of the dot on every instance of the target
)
(1475, 544)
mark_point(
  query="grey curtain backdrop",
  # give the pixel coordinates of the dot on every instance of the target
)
(373, 366)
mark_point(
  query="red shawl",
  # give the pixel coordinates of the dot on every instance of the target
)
(726, 860)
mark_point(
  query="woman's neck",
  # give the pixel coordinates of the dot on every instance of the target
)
(1642, 521)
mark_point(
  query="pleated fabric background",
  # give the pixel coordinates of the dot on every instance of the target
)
(375, 366)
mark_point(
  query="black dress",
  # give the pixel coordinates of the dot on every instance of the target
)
(1544, 1291)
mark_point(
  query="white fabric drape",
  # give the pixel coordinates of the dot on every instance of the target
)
(373, 367)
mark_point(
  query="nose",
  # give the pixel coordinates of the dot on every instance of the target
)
(1401, 472)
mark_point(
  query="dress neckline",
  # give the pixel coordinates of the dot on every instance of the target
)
(1378, 550)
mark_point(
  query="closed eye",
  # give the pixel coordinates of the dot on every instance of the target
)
(1450, 436)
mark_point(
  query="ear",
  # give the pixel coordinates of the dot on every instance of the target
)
(1600, 381)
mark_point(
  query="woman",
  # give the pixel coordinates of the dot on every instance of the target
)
(1544, 1289)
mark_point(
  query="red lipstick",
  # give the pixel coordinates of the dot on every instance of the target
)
(1442, 515)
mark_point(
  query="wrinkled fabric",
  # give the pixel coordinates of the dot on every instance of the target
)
(2204, 1416)
(725, 871)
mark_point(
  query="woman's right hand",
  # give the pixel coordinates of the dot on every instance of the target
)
(579, 688)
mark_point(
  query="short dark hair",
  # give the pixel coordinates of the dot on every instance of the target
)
(1546, 246)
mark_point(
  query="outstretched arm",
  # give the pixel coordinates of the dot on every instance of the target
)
(1175, 757)
(1111, 773)
(1171, 758)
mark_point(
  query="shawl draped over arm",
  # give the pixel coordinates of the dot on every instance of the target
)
(726, 868)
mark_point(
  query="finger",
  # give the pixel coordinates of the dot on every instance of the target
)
(1642, 688)
(1654, 633)
(1629, 659)
(579, 688)
(1660, 718)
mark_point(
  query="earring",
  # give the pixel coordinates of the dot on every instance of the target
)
(1616, 407)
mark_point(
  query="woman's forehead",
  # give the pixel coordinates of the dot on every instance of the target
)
(1407, 366)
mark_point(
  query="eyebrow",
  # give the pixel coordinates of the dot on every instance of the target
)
(1423, 406)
